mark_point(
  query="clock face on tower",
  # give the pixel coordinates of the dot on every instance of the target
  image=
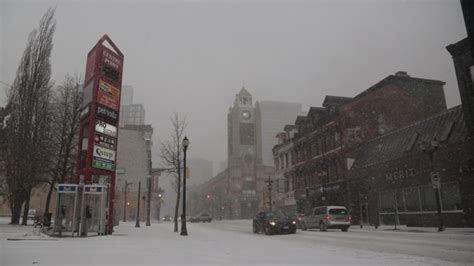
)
(246, 115)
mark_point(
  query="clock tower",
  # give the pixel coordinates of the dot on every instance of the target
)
(243, 156)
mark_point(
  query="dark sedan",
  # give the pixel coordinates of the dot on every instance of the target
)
(273, 222)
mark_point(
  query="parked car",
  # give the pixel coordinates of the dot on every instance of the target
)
(204, 217)
(327, 217)
(273, 222)
(167, 218)
(193, 219)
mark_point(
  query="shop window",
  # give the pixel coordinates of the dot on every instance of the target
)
(400, 201)
(412, 199)
(387, 201)
(427, 196)
(450, 196)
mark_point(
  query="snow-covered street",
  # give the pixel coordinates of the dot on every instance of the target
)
(233, 243)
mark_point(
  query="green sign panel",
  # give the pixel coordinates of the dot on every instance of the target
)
(103, 165)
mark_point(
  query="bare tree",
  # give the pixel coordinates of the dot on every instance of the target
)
(170, 153)
(66, 107)
(27, 132)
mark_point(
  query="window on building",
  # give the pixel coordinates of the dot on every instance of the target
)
(412, 199)
(427, 196)
(400, 201)
(286, 160)
(387, 201)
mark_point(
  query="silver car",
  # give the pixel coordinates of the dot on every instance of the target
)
(327, 217)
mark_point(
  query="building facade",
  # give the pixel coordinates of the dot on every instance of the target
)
(244, 155)
(133, 114)
(133, 167)
(322, 149)
(464, 66)
(390, 180)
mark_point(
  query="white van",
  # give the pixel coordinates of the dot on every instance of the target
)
(327, 217)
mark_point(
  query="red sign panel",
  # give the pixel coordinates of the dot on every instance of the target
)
(108, 95)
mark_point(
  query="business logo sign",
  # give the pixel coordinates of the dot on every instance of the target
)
(93, 189)
(110, 59)
(105, 128)
(104, 141)
(108, 95)
(107, 113)
(103, 158)
(66, 188)
(104, 154)
(103, 165)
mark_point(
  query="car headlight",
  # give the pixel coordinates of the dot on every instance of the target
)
(273, 223)
(294, 222)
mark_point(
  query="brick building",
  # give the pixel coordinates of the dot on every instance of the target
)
(391, 177)
(326, 138)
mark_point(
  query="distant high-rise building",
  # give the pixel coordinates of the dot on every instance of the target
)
(126, 95)
(133, 114)
(272, 117)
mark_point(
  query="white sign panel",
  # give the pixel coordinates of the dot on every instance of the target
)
(104, 154)
(105, 128)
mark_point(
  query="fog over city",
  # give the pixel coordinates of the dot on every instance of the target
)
(236, 132)
(193, 57)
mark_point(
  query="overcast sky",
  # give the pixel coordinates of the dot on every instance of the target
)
(194, 56)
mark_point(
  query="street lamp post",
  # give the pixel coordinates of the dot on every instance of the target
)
(184, 231)
(148, 203)
(125, 192)
(430, 151)
(137, 221)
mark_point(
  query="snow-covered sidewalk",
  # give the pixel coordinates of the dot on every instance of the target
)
(219, 243)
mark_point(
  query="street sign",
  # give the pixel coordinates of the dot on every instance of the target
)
(435, 180)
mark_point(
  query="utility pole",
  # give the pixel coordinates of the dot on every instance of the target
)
(137, 223)
(269, 191)
(148, 201)
(125, 192)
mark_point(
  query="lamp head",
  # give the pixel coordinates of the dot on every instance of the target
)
(185, 142)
